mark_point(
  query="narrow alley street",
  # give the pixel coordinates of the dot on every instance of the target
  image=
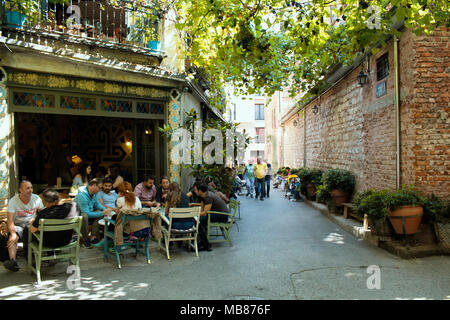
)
(281, 250)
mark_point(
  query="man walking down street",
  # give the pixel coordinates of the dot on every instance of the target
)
(268, 179)
(249, 178)
(260, 177)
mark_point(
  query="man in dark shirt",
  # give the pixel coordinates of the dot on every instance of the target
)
(55, 210)
(210, 202)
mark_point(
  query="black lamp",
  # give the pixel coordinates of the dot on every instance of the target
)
(295, 123)
(362, 78)
(315, 109)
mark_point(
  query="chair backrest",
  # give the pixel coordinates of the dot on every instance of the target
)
(234, 206)
(46, 225)
(135, 214)
(191, 212)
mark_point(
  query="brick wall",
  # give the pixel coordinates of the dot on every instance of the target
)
(355, 130)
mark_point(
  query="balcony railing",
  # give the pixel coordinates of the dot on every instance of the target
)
(95, 20)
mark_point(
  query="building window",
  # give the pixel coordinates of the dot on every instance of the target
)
(260, 136)
(259, 111)
(382, 67)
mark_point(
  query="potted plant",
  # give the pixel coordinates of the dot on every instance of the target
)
(310, 179)
(340, 184)
(16, 12)
(373, 203)
(405, 207)
(322, 194)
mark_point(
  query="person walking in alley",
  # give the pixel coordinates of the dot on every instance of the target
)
(268, 179)
(260, 177)
(249, 178)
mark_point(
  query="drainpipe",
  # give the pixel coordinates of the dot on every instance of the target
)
(397, 114)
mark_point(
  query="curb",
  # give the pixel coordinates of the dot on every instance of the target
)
(393, 247)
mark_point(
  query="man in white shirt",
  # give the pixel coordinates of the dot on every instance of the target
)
(22, 209)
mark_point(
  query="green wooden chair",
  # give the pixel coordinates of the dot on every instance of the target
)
(109, 239)
(223, 227)
(71, 251)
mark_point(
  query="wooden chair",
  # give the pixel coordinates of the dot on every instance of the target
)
(170, 234)
(109, 237)
(224, 227)
(3, 216)
(70, 251)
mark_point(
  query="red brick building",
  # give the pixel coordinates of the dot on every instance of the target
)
(354, 127)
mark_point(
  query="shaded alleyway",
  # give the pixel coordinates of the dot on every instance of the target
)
(283, 250)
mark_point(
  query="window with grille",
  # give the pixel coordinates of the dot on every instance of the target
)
(382, 67)
(259, 111)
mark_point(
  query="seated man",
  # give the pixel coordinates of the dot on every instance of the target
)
(146, 192)
(107, 197)
(210, 202)
(54, 209)
(91, 210)
(22, 208)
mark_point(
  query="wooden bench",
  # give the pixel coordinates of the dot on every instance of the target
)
(349, 212)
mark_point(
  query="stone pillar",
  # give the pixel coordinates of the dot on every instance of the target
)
(174, 120)
(5, 141)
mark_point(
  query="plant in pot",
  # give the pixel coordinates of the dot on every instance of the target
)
(373, 203)
(405, 207)
(340, 184)
(310, 179)
(322, 194)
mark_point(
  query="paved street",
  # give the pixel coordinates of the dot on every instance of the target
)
(283, 250)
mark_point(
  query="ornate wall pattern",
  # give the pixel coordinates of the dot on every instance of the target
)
(5, 128)
(91, 86)
(174, 120)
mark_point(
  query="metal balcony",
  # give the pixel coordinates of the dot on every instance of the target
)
(95, 22)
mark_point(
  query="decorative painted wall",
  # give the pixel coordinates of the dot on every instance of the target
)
(5, 129)
(174, 120)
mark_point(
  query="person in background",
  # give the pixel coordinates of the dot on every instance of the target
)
(114, 174)
(163, 190)
(107, 197)
(146, 192)
(22, 209)
(83, 177)
(268, 179)
(249, 178)
(260, 174)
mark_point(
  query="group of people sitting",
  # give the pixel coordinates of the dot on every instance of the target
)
(98, 199)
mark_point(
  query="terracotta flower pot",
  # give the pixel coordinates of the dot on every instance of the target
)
(406, 220)
(339, 197)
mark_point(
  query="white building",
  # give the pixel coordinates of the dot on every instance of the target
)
(248, 111)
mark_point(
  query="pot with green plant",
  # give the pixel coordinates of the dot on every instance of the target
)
(340, 184)
(310, 179)
(323, 195)
(405, 207)
(373, 203)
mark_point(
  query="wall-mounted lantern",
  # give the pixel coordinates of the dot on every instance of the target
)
(362, 78)
(315, 109)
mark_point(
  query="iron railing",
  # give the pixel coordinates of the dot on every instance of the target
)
(97, 20)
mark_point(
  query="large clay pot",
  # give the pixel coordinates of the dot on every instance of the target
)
(339, 197)
(381, 228)
(310, 191)
(406, 220)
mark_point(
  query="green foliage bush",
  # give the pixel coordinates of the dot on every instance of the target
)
(340, 179)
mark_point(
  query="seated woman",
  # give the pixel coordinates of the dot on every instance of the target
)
(83, 176)
(177, 199)
(163, 190)
(127, 200)
(113, 173)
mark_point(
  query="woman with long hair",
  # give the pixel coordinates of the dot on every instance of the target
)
(114, 174)
(84, 176)
(127, 199)
(177, 199)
